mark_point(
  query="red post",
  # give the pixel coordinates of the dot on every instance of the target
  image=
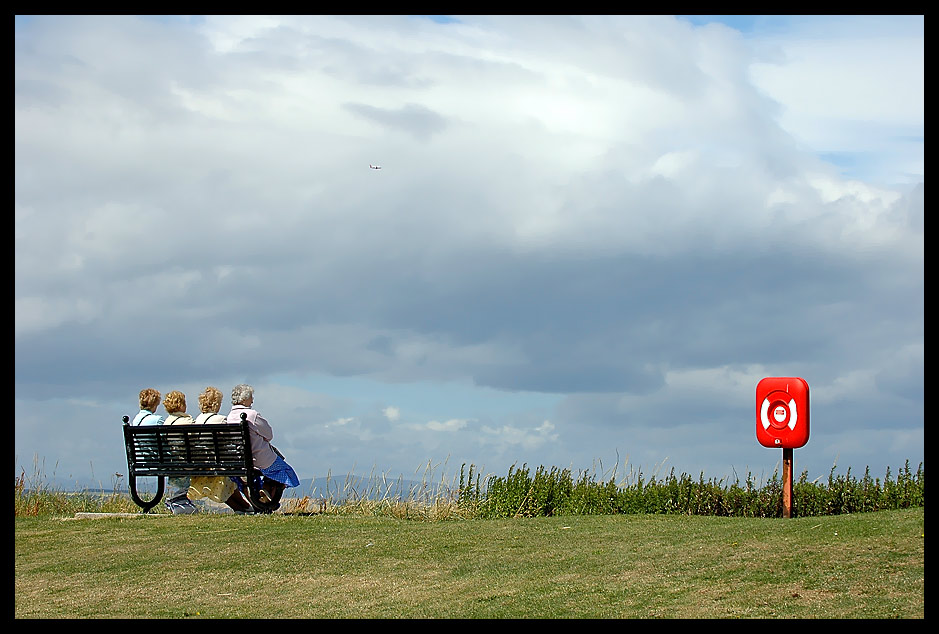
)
(787, 482)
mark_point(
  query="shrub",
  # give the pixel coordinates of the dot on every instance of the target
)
(554, 492)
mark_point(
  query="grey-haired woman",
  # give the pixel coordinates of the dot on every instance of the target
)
(277, 474)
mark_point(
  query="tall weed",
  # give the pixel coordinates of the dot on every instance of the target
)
(33, 497)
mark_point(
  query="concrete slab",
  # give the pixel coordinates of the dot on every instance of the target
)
(94, 516)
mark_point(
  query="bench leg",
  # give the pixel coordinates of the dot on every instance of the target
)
(146, 505)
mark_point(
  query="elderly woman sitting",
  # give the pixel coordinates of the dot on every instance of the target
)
(216, 488)
(177, 500)
(277, 474)
(149, 402)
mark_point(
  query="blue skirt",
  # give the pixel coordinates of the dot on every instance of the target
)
(282, 472)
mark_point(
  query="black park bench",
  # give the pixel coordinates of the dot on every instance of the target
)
(167, 451)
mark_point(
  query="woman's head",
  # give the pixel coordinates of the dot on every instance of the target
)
(210, 400)
(149, 399)
(242, 394)
(175, 401)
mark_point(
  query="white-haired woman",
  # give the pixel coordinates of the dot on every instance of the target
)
(277, 474)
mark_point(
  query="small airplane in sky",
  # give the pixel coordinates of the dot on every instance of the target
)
(374, 167)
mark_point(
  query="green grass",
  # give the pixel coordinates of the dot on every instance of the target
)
(853, 566)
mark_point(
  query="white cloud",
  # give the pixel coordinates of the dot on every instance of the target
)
(852, 85)
(526, 438)
(453, 424)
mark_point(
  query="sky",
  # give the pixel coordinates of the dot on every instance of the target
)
(591, 237)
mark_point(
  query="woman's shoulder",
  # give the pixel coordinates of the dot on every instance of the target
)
(238, 410)
(146, 417)
(209, 418)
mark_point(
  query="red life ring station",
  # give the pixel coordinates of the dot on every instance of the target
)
(782, 412)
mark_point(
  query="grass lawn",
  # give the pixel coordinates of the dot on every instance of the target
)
(860, 566)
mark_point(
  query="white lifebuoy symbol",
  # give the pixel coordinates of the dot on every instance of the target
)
(793, 414)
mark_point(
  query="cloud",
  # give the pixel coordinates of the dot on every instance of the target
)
(417, 120)
(633, 218)
(526, 438)
(339, 422)
(451, 425)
